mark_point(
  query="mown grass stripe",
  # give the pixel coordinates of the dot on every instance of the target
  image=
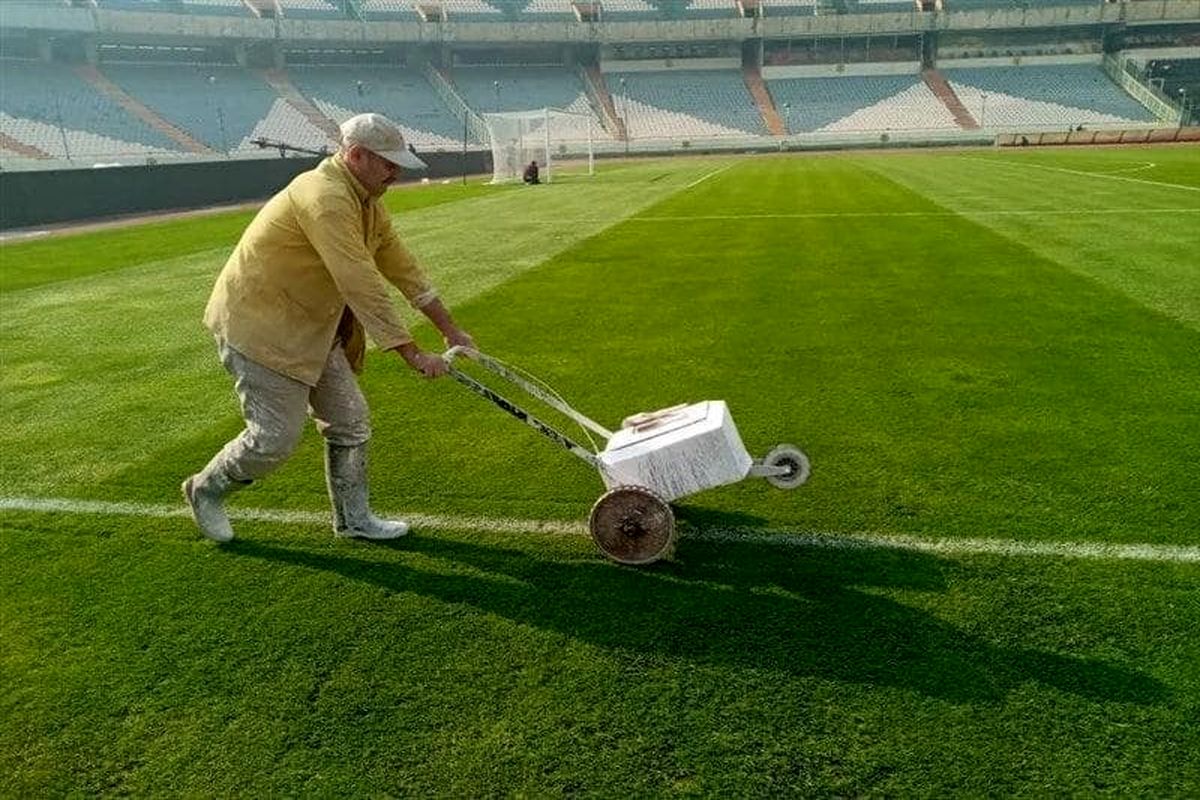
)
(1124, 212)
(741, 535)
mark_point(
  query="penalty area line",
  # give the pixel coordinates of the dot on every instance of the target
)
(1112, 176)
(781, 537)
(702, 179)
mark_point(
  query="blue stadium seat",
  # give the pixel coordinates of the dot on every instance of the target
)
(399, 93)
(709, 9)
(679, 103)
(401, 10)
(629, 11)
(879, 6)
(812, 104)
(520, 88)
(218, 105)
(310, 9)
(1044, 95)
(545, 11)
(46, 103)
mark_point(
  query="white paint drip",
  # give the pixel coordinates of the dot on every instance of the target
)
(738, 535)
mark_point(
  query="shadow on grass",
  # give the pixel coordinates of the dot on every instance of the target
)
(810, 612)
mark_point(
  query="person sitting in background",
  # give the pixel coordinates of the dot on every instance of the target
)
(531, 173)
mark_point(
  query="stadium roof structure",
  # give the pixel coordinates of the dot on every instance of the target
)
(451, 22)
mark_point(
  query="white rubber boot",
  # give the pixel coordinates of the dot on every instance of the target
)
(346, 475)
(205, 494)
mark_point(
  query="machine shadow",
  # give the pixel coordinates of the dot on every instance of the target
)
(691, 516)
(811, 612)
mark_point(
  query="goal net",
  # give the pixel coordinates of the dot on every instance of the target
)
(544, 135)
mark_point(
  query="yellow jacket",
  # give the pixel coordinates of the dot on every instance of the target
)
(311, 268)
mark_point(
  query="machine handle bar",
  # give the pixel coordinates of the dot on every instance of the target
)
(529, 387)
(512, 408)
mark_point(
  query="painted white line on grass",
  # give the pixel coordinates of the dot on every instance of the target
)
(1107, 175)
(1105, 551)
(1143, 166)
(701, 180)
(59, 505)
(19, 235)
(761, 536)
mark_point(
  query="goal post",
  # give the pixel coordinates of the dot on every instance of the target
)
(544, 135)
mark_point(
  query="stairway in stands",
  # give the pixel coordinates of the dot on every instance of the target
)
(938, 84)
(594, 80)
(752, 75)
(283, 86)
(136, 108)
(20, 148)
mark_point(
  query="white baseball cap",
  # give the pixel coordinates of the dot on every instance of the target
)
(380, 135)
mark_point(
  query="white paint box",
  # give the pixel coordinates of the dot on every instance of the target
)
(676, 451)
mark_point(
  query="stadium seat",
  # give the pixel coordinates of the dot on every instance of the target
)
(218, 105)
(519, 88)
(310, 9)
(48, 106)
(1043, 96)
(685, 103)
(387, 9)
(710, 9)
(230, 7)
(628, 10)
(548, 11)
(471, 10)
(859, 103)
(402, 94)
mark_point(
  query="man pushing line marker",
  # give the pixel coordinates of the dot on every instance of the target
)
(290, 311)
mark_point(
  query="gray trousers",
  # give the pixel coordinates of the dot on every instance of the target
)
(275, 408)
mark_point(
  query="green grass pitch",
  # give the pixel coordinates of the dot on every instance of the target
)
(979, 350)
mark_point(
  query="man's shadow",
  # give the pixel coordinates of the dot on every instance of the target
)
(810, 611)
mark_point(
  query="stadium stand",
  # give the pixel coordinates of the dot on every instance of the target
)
(1043, 96)
(785, 8)
(212, 7)
(628, 10)
(403, 94)
(505, 89)
(665, 92)
(467, 10)
(548, 11)
(49, 107)
(285, 123)
(233, 7)
(310, 9)
(859, 103)
(219, 105)
(685, 103)
(518, 88)
(709, 9)
(135, 5)
(387, 9)
(879, 6)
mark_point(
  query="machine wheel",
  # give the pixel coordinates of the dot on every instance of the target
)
(633, 525)
(786, 455)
